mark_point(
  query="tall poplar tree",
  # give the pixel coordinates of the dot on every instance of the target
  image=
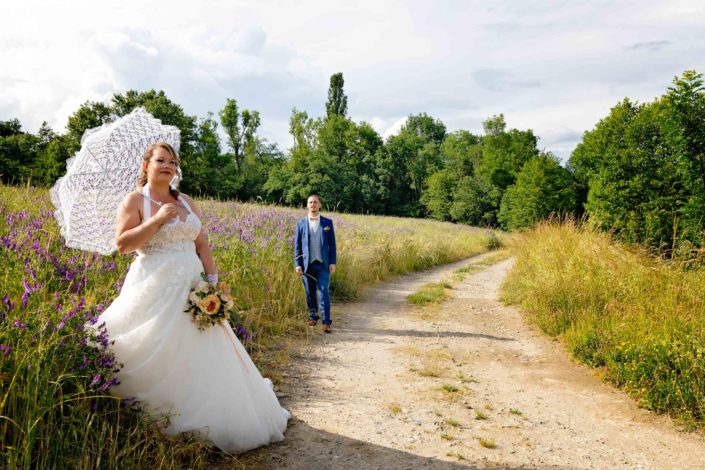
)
(337, 103)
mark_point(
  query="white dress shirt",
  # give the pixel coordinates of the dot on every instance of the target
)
(313, 224)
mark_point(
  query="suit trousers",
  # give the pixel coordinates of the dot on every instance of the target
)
(316, 281)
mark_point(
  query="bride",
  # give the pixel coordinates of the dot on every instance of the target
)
(203, 380)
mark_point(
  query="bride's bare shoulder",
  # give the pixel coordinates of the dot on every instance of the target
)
(133, 199)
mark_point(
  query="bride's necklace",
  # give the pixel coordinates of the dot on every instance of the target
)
(159, 203)
(148, 196)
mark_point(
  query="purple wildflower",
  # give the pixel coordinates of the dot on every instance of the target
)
(6, 349)
(96, 380)
(106, 386)
(106, 360)
(7, 304)
(128, 402)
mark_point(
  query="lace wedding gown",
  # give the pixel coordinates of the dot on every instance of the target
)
(204, 380)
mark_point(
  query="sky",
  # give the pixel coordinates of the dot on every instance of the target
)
(553, 66)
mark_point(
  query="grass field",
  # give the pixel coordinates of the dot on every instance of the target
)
(55, 406)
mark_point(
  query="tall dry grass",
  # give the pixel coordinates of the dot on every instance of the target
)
(638, 318)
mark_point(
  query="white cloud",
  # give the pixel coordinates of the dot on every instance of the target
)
(554, 66)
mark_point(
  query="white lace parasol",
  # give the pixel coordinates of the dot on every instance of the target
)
(101, 174)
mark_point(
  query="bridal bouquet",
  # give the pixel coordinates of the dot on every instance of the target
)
(209, 304)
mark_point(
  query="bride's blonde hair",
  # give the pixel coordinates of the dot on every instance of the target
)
(142, 180)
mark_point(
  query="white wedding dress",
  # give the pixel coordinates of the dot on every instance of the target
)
(204, 380)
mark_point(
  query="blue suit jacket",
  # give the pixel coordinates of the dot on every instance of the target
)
(301, 254)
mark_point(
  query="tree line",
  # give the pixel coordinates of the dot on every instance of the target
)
(640, 172)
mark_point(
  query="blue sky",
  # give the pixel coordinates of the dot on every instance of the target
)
(556, 67)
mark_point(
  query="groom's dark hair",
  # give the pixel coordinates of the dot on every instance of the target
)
(316, 196)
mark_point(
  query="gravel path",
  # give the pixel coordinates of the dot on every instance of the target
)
(402, 387)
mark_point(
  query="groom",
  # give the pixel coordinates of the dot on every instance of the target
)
(314, 260)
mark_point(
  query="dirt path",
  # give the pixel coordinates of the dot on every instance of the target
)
(398, 387)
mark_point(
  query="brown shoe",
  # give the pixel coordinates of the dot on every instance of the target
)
(327, 328)
(312, 322)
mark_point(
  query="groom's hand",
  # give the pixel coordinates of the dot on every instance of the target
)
(299, 271)
(331, 268)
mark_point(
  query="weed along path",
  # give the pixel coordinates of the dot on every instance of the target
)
(466, 383)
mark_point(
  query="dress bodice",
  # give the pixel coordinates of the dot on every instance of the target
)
(174, 236)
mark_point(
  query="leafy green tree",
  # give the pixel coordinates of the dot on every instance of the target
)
(337, 104)
(18, 152)
(687, 101)
(363, 144)
(543, 187)
(461, 153)
(162, 108)
(685, 131)
(633, 175)
(333, 157)
(240, 129)
(407, 161)
(438, 195)
(475, 202)
(89, 115)
(425, 127)
(206, 168)
(504, 152)
(394, 167)
(52, 153)
(289, 182)
(259, 164)
(11, 157)
(600, 145)
(170, 113)
(11, 127)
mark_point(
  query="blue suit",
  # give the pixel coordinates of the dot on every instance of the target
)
(316, 276)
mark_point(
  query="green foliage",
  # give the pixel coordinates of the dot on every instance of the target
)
(333, 157)
(461, 153)
(18, 151)
(161, 107)
(475, 202)
(641, 170)
(240, 128)
(337, 104)
(89, 115)
(543, 187)
(11, 127)
(438, 196)
(51, 161)
(92, 114)
(504, 153)
(425, 127)
(422, 170)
